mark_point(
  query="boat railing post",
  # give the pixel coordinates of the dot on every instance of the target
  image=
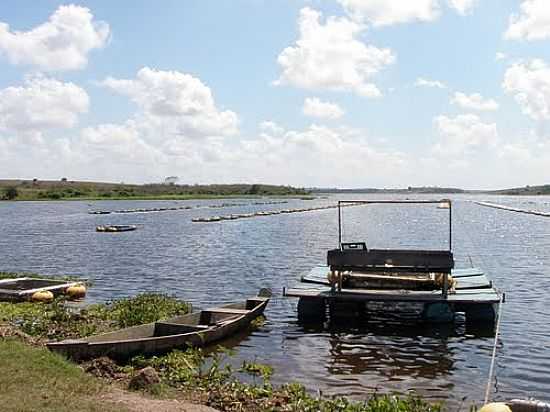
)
(339, 227)
(450, 226)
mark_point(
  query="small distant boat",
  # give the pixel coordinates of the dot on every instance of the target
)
(115, 228)
(195, 329)
(99, 212)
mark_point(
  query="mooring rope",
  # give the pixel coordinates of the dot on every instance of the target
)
(494, 355)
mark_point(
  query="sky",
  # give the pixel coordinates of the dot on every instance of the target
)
(309, 93)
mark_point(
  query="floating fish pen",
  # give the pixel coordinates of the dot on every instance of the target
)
(38, 290)
(169, 209)
(260, 214)
(356, 276)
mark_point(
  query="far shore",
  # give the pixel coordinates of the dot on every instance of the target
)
(40, 190)
(88, 191)
(160, 198)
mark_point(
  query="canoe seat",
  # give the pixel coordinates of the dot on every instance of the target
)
(229, 310)
(166, 328)
(216, 316)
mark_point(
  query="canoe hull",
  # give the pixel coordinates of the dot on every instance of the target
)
(133, 341)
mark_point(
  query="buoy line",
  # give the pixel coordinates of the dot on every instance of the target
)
(494, 354)
(168, 209)
(513, 209)
(264, 213)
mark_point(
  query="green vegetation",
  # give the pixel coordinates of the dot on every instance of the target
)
(70, 190)
(56, 321)
(144, 308)
(220, 387)
(35, 379)
(526, 190)
(10, 193)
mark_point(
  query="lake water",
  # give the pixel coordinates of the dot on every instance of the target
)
(211, 263)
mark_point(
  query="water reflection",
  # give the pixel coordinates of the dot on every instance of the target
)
(394, 350)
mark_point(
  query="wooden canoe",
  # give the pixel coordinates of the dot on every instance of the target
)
(195, 329)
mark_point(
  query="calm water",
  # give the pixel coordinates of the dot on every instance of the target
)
(219, 262)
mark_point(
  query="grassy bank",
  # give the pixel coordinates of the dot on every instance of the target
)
(35, 379)
(73, 190)
(208, 378)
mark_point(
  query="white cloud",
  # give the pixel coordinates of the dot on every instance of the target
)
(42, 103)
(421, 82)
(331, 57)
(474, 101)
(387, 12)
(529, 83)
(271, 127)
(62, 43)
(500, 56)
(176, 129)
(315, 107)
(463, 7)
(177, 101)
(532, 24)
(319, 155)
(463, 133)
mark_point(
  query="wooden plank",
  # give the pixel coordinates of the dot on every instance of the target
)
(322, 271)
(12, 280)
(466, 272)
(473, 282)
(228, 310)
(467, 296)
(391, 260)
(469, 278)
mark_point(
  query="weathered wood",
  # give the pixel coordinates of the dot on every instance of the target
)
(462, 296)
(228, 310)
(159, 337)
(391, 260)
(465, 278)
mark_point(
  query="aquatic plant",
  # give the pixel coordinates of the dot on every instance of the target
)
(221, 388)
(144, 308)
(57, 321)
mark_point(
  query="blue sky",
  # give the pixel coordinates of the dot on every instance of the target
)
(353, 93)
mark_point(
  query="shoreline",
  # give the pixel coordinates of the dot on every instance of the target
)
(162, 198)
(193, 379)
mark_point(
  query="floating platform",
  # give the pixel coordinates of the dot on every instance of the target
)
(473, 295)
(22, 289)
(356, 276)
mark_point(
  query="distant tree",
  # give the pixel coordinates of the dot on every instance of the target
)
(63, 179)
(254, 190)
(171, 180)
(11, 193)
